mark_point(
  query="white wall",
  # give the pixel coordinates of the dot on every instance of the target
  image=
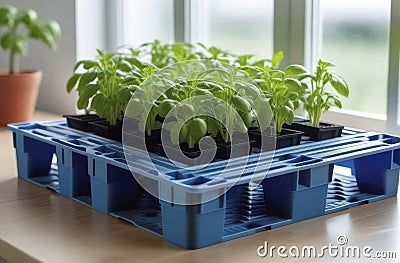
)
(91, 27)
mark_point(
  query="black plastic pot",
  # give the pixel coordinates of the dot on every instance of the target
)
(104, 129)
(224, 150)
(151, 142)
(130, 124)
(192, 154)
(286, 138)
(82, 122)
(323, 132)
(241, 148)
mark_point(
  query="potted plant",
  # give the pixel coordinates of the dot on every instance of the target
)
(163, 55)
(284, 92)
(237, 113)
(318, 99)
(184, 136)
(187, 131)
(19, 89)
(175, 108)
(104, 86)
(176, 111)
(142, 113)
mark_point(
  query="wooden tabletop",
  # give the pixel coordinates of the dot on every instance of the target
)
(37, 224)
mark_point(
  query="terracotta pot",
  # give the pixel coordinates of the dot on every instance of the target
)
(18, 95)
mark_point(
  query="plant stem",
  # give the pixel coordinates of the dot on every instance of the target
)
(11, 62)
(279, 124)
(13, 67)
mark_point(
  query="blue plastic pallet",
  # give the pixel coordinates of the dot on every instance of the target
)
(298, 185)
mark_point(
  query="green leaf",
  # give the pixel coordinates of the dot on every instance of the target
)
(86, 78)
(99, 104)
(264, 117)
(124, 95)
(276, 73)
(7, 41)
(252, 71)
(88, 64)
(200, 92)
(88, 91)
(290, 118)
(20, 46)
(241, 104)
(296, 104)
(78, 64)
(178, 128)
(324, 64)
(213, 126)
(165, 107)
(7, 15)
(35, 32)
(82, 103)
(197, 129)
(99, 52)
(53, 27)
(293, 85)
(184, 111)
(125, 66)
(263, 63)
(288, 110)
(290, 104)
(277, 59)
(72, 82)
(130, 80)
(276, 81)
(248, 118)
(337, 102)
(136, 62)
(27, 16)
(340, 85)
(183, 133)
(294, 71)
(47, 38)
(243, 60)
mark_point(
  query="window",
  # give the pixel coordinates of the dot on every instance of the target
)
(241, 26)
(355, 37)
(145, 21)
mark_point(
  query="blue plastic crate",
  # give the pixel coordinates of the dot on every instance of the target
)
(299, 184)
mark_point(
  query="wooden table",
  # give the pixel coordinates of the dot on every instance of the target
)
(37, 224)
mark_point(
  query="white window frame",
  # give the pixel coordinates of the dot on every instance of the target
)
(369, 121)
(393, 100)
(297, 32)
(307, 16)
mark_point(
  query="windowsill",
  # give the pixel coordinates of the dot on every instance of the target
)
(361, 114)
(356, 119)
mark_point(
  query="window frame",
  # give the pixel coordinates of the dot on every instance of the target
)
(393, 100)
(308, 17)
(372, 121)
(299, 20)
